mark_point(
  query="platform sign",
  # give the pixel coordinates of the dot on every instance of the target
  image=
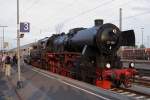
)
(24, 27)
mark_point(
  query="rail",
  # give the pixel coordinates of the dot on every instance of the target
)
(136, 61)
(131, 93)
(143, 72)
(142, 81)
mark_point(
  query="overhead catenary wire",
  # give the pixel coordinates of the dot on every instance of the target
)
(136, 15)
(90, 10)
(133, 16)
(87, 11)
(84, 12)
(35, 2)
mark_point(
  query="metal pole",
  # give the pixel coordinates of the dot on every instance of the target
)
(148, 38)
(3, 38)
(19, 83)
(1, 44)
(142, 35)
(120, 19)
(120, 27)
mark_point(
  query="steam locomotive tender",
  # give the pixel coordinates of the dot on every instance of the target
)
(87, 54)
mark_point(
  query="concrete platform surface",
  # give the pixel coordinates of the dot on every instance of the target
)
(43, 85)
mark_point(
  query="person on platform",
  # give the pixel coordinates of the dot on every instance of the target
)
(14, 60)
(3, 62)
(8, 66)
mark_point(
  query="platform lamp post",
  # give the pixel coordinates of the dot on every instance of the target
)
(22, 27)
(19, 82)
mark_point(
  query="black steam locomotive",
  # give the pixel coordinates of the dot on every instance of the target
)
(87, 54)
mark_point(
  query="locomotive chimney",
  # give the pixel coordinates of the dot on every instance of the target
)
(98, 22)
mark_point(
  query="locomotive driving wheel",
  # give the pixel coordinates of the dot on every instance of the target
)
(127, 82)
(117, 83)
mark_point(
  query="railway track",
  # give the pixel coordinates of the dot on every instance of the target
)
(143, 72)
(142, 81)
(136, 61)
(131, 93)
(137, 95)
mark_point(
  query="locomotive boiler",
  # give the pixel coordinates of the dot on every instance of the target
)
(89, 54)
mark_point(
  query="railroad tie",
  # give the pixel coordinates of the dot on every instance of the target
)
(125, 93)
(140, 97)
(119, 91)
(130, 95)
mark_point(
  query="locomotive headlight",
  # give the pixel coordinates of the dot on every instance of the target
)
(108, 65)
(131, 65)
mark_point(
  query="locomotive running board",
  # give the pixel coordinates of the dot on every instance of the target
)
(127, 38)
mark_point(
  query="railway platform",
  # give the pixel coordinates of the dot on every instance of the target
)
(7, 91)
(43, 85)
